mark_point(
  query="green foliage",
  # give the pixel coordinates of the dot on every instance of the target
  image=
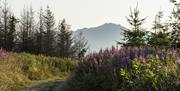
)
(134, 38)
(7, 28)
(175, 24)
(161, 37)
(26, 33)
(124, 74)
(136, 35)
(39, 35)
(160, 40)
(154, 72)
(152, 76)
(49, 34)
(17, 70)
(11, 35)
(89, 80)
(65, 41)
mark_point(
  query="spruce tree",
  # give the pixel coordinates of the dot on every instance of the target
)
(1, 34)
(5, 20)
(27, 28)
(39, 35)
(175, 24)
(11, 35)
(136, 35)
(49, 33)
(31, 31)
(64, 40)
(160, 37)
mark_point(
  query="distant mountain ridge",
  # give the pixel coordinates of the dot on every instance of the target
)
(103, 36)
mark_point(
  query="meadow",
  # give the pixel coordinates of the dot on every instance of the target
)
(18, 70)
(125, 69)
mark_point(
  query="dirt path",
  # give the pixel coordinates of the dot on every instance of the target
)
(56, 85)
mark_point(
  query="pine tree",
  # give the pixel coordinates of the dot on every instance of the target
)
(27, 29)
(31, 31)
(49, 23)
(175, 24)
(39, 35)
(136, 35)
(64, 40)
(23, 34)
(160, 38)
(11, 35)
(5, 20)
(1, 34)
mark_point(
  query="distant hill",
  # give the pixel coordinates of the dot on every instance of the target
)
(103, 36)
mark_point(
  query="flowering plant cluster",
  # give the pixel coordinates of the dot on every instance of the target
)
(2, 53)
(128, 69)
(129, 54)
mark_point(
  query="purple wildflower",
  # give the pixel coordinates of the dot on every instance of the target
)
(178, 62)
(2, 53)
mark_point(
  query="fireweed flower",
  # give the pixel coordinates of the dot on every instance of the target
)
(119, 58)
(142, 59)
(115, 53)
(124, 59)
(2, 53)
(178, 61)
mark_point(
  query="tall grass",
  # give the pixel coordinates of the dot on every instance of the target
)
(16, 70)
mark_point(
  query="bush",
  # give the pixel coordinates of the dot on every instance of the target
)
(127, 69)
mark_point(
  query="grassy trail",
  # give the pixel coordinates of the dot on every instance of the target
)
(46, 85)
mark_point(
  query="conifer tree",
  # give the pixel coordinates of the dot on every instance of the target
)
(39, 35)
(1, 34)
(160, 38)
(175, 24)
(1, 30)
(136, 35)
(64, 40)
(27, 28)
(49, 33)
(11, 35)
(5, 20)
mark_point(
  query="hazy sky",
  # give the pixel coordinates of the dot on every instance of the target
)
(91, 13)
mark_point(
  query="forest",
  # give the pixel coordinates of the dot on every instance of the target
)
(38, 36)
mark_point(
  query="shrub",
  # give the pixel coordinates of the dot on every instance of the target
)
(127, 69)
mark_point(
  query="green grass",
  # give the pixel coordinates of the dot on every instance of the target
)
(20, 70)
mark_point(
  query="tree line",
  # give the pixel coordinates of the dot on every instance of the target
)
(162, 35)
(41, 35)
(38, 36)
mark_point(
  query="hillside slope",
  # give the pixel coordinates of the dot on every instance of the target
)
(103, 36)
(20, 70)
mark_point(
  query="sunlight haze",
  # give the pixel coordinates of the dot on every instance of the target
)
(92, 13)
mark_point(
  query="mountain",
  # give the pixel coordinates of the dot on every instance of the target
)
(103, 36)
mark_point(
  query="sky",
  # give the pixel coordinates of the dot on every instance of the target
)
(91, 13)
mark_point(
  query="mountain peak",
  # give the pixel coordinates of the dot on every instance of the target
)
(103, 36)
(105, 25)
(109, 24)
